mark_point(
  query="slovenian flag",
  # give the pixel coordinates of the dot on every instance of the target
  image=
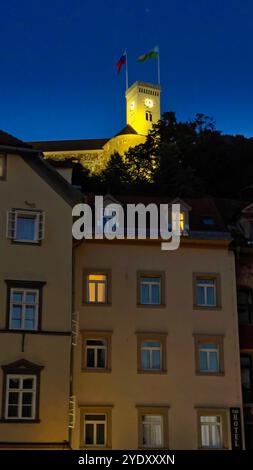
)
(121, 61)
(153, 54)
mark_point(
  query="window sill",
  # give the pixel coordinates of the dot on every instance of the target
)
(30, 243)
(210, 374)
(97, 371)
(19, 421)
(150, 305)
(203, 307)
(97, 304)
(153, 372)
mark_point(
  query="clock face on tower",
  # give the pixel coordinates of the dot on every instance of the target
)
(149, 103)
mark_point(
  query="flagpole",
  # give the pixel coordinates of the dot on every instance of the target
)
(158, 65)
(126, 71)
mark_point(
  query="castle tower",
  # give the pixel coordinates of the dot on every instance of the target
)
(143, 106)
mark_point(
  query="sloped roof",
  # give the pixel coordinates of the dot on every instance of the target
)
(126, 131)
(68, 145)
(10, 140)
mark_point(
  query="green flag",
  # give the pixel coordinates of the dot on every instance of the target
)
(153, 54)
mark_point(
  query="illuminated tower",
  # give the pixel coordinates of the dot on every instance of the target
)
(143, 106)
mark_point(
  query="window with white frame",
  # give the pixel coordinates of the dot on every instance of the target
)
(97, 285)
(152, 431)
(206, 295)
(151, 355)
(24, 305)
(95, 426)
(211, 432)
(96, 353)
(208, 357)
(150, 290)
(20, 397)
(25, 226)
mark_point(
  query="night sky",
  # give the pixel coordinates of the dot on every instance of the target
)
(58, 59)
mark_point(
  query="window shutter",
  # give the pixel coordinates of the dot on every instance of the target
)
(11, 224)
(41, 227)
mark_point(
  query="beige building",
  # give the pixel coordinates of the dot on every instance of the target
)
(157, 361)
(35, 299)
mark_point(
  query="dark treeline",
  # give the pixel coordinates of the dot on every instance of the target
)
(188, 159)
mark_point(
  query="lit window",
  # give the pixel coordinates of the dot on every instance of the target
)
(24, 309)
(182, 221)
(211, 432)
(206, 292)
(208, 357)
(95, 429)
(25, 226)
(150, 290)
(97, 288)
(151, 352)
(96, 353)
(20, 397)
(2, 166)
(152, 431)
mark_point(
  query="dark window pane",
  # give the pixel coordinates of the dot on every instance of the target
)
(28, 384)
(145, 363)
(13, 398)
(14, 383)
(27, 398)
(26, 411)
(156, 360)
(90, 357)
(101, 358)
(94, 417)
(25, 229)
(12, 411)
(144, 294)
(100, 434)
(89, 434)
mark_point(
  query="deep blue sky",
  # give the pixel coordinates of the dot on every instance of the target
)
(58, 58)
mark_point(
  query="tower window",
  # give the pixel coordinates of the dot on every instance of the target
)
(149, 116)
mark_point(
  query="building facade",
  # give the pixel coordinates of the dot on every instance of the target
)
(156, 361)
(35, 299)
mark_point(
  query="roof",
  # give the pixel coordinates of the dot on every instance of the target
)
(33, 158)
(68, 145)
(126, 131)
(10, 140)
(201, 208)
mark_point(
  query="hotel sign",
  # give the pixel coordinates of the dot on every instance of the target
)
(236, 429)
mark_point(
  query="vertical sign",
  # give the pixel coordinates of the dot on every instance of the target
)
(236, 428)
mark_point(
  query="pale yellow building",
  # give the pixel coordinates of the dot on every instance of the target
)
(157, 361)
(35, 299)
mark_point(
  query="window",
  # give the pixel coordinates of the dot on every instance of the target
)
(209, 355)
(151, 352)
(149, 116)
(212, 428)
(97, 351)
(25, 226)
(24, 305)
(96, 427)
(207, 291)
(151, 288)
(211, 432)
(2, 166)
(153, 427)
(20, 397)
(208, 220)
(246, 378)
(245, 306)
(97, 287)
(21, 391)
(24, 309)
